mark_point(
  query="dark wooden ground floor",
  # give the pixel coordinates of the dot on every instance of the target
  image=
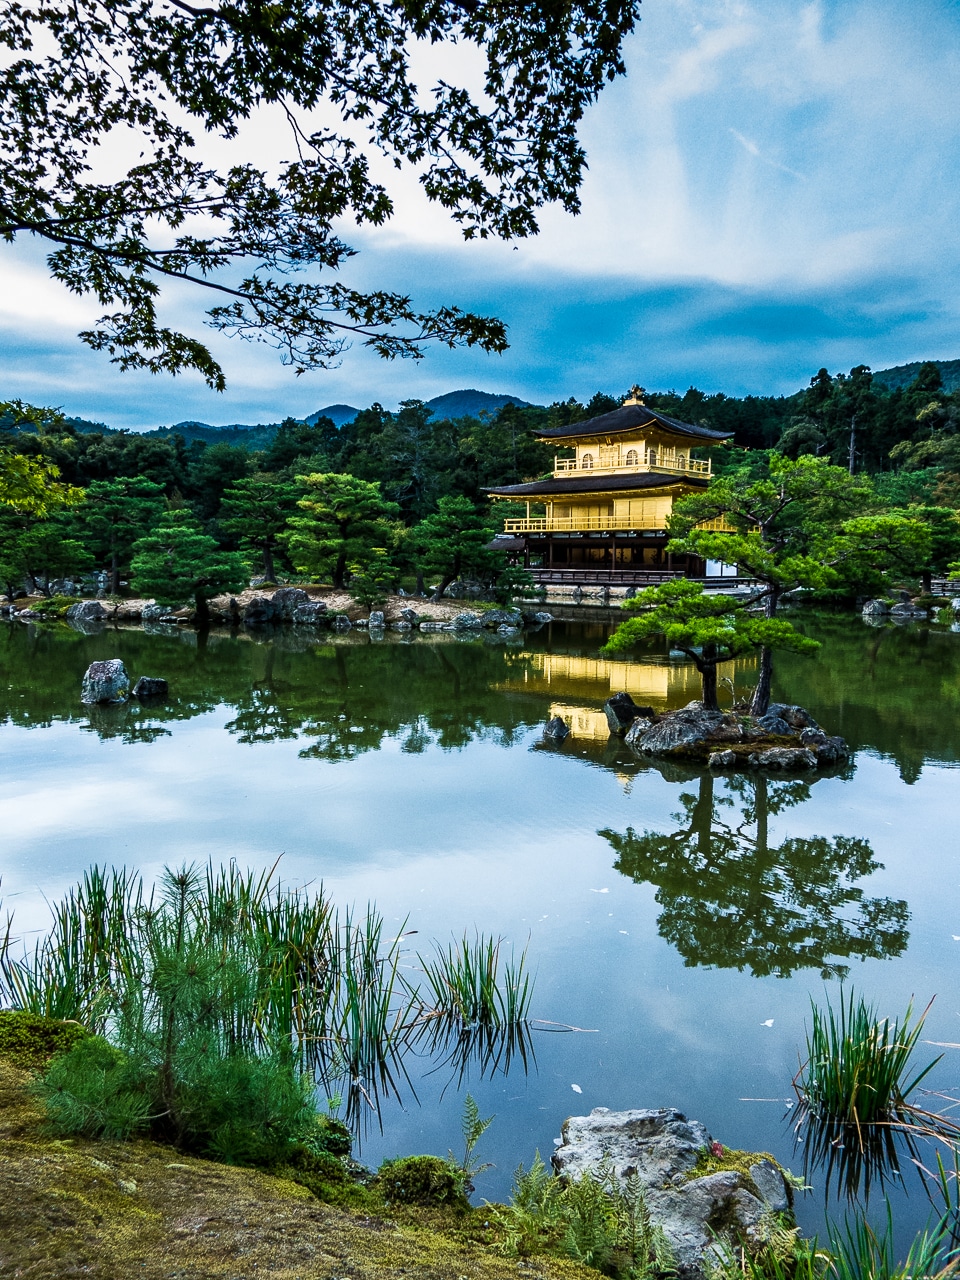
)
(609, 553)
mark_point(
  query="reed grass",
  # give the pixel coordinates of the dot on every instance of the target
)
(856, 1115)
(262, 968)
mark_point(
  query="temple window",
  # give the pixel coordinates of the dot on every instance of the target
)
(632, 458)
(652, 457)
(587, 462)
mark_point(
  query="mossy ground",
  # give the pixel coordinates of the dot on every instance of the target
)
(111, 1211)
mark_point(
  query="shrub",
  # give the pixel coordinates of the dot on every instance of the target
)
(30, 1040)
(54, 606)
(94, 1090)
(420, 1180)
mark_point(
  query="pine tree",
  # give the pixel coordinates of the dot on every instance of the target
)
(177, 561)
(344, 520)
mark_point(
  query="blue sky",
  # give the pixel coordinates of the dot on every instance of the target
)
(773, 187)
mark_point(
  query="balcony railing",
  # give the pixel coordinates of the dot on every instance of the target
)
(668, 466)
(604, 524)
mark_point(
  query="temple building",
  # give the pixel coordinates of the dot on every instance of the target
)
(603, 514)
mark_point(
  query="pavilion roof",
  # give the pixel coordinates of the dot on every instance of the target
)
(632, 418)
(599, 484)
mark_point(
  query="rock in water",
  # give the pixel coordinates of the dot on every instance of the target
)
(150, 687)
(311, 614)
(376, 619)
(555, 730)
(681, 731)
(621, 711)
(105, 681)
(699, 1216)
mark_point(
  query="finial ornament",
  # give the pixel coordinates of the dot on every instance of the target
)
(636, 395)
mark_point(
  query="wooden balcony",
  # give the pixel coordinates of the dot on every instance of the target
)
(615, 466)
(604, 524)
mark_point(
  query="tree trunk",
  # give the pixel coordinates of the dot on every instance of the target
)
(853, 442)
(421, 585)
(340, 570)
(760, 702)
(926, 582)
(203, 611)
(115, 572)
(442, 586)
(269, 570)
(707, 666)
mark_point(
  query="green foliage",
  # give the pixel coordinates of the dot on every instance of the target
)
(32, 485)
(54, 606)
(595, 1219)
(420, 1180)
(96, 1091)
(710, 629)
(467, 982)
(29, 1040)
(343, 521)
(256, 509)
(226, 993)
(370, 583)
(451, 543)
(114, 515)
(473, 1128)
(155, 77)
(178, 562)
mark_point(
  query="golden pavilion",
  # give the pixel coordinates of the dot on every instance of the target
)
(603, 514)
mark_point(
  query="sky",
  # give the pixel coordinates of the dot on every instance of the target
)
(773, 187)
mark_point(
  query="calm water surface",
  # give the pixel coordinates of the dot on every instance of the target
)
(684, 921)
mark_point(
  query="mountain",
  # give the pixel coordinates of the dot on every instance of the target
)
(248, 437)
(901, 375)
(339, 414)
(467, 404)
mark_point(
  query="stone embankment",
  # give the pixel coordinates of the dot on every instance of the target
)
(299, 607)
(704, 1197)
(787, 738)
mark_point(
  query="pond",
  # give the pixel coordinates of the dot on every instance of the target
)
(682, 922)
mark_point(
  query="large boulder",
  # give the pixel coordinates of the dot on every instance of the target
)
(409, 615)
(468, 622)
(312, 613)
(684, 730)
(875, 608)
(793, 759)
(538, 618)
(701, 1216)
(556, 730)
(494, 618)
(86, 611)
(796, 717)
(286, 601)
(105, 681)
(376, 621)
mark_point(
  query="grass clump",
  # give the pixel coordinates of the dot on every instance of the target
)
(595, 1220)
(54, 606)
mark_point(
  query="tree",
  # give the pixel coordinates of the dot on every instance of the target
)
(778, 524)
(217, 467)
(344, 520)
(731, 900)
(31, 484)
(49, 551)
(451, 542)
(256, 510)
(708, 629)
(177, 561)
(115, 515)
(79, 77)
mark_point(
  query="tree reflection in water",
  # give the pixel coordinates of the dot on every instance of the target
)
(731, 900)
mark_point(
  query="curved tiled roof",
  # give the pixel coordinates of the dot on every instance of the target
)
(597, 484)
(630, 417)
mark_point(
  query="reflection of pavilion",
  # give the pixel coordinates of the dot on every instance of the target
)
(581, 685)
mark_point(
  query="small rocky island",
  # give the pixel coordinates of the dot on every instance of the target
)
(786, 738)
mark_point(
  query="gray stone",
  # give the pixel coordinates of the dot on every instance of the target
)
(555, 730)
(376, 619)
(341, 622)
(150, 687)
(409, 615)
(905, 610)
(311, 614)
(105, 681)
(538, 619)
(875, 608)
(260, 611)
(494, 618)
(361, 623)
(468, 622)
(636, 731)
(286, 601)
(506, 630)
(86, 611)
(152, 612)
(796, 717)
(772, 723)
(401, 626)
(431, 625)
(792, 758)
(827, 750)
(723, 760)
(699, 1216)
(681, 731)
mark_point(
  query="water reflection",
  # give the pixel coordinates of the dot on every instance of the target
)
(730, 899)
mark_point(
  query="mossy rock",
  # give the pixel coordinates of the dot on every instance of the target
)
(30, 1041)
(420, 1180)
(731, 1159)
